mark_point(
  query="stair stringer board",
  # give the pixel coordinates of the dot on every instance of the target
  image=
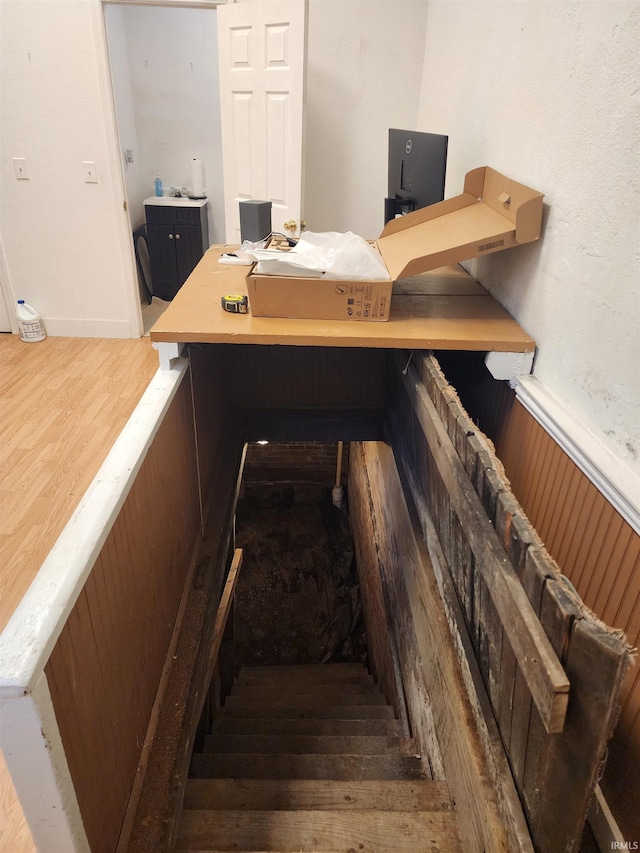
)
(439, 706)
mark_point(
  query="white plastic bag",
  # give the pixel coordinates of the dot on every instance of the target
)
(333, 255)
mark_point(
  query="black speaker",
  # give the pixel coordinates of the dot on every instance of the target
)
(255, 220)
(389, 209)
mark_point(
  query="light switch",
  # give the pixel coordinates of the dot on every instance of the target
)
(90, 173)
(20, 165)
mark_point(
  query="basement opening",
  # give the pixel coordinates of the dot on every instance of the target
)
(298, 596)
(297, 599)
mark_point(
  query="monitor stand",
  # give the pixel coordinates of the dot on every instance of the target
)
(397, 207)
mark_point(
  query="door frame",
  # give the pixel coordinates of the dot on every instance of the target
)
(116, 164)
(118, 186)
(6, 296)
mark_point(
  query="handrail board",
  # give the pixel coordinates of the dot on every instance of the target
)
(541, 668)
(224, 607)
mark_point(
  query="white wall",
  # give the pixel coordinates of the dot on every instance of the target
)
(546, 92)
(65, 241)
(543, 91)
(62, 237)
(363, 77)
(171, 57)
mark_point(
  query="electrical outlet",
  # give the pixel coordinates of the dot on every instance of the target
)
(20, 165)
(90, 173)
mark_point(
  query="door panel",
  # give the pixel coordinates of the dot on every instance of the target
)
(261, 48)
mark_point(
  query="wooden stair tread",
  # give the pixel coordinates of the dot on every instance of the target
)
(306, 794)
(339, 767)
(309, 744)
(311, 758)
(293, 688)
(345, 728)
(266, 678)
(334, 669)
(282, 698)
(310, 711)
(367, 831)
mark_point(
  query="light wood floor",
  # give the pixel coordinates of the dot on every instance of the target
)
(63, 402)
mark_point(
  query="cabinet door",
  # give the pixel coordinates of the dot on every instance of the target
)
(188, 243)
(162, 254)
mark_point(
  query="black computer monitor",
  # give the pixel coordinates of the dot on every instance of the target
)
(417, 166)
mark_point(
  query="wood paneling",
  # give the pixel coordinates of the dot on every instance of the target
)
(150, 825)
(212, 384)
(105, 669)
(298, 378)
(600, 554)
(296, 394)
(63, 402)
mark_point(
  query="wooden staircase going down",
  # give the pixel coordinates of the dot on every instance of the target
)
(311, 758)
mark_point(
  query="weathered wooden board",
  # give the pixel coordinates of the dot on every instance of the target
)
(541, 668)
(414, 832)
(427, 655)
(538, 757)
(383, 655)
(385, 795)
(490, 742)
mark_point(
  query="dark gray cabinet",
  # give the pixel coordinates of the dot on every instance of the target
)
(177, 237)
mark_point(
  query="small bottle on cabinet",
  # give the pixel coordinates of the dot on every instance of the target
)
(158, 187)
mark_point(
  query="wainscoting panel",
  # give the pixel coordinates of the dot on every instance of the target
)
(600, 554)
(105, 668)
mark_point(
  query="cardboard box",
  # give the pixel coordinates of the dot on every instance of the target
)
(492, 214)
(318, 298)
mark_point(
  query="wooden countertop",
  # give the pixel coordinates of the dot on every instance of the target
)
(442, 310)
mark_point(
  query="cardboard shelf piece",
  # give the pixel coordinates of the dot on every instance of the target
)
(493, 213)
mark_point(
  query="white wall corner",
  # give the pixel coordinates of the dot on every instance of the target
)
(509, 365)
(31, 744)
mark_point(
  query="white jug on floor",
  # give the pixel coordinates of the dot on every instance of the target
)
(30, 323)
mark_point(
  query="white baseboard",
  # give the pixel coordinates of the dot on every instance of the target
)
(70, 327)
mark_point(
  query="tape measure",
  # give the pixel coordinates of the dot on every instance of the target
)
(236, 304)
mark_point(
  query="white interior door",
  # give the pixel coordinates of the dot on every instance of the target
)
(261, 47)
